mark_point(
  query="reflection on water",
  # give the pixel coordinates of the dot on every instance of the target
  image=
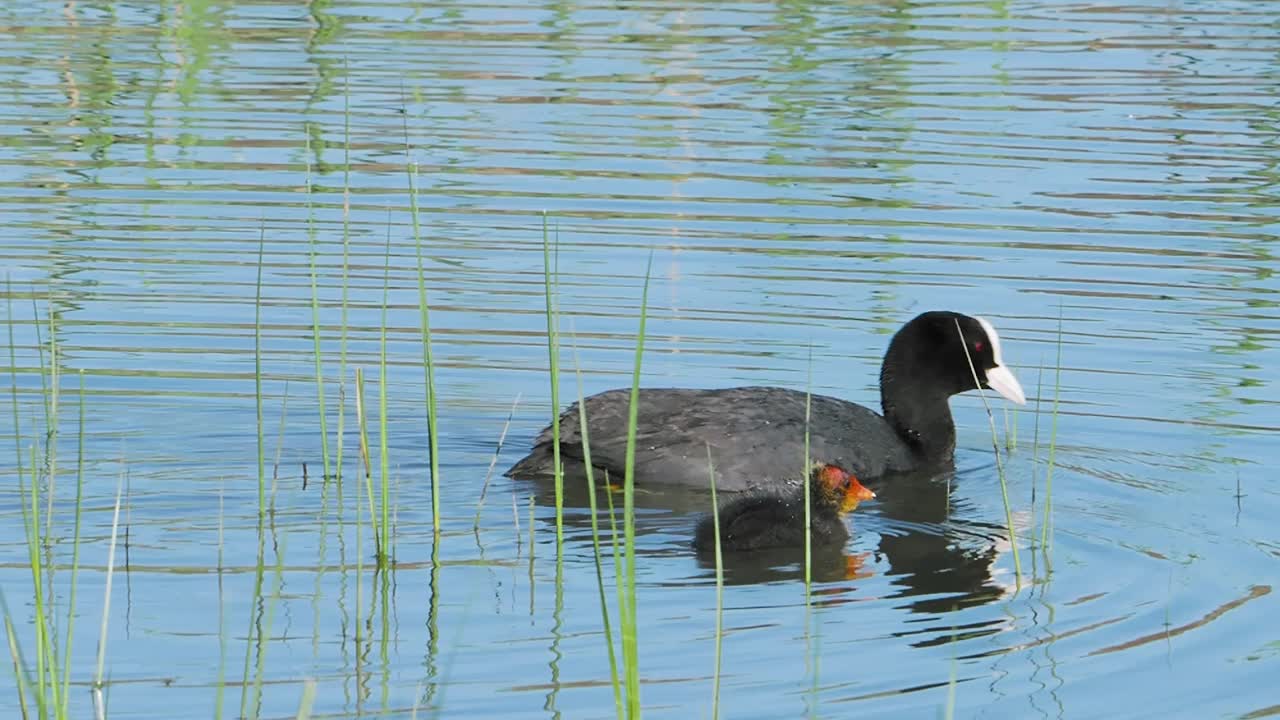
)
(807, 176)
(941, 563)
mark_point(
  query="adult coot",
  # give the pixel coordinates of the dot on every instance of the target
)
(756, 434)
(775, 518)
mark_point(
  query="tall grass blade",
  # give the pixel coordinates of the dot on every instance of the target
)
(995, 446)
(47, 660)
(595, 536)
(384, 458)
(615, 546)
(25, 682)
(428, 359)
(75, 553)
(21, 671)
(99, 703)
(630, 640)
(362, 424)
(307, 700)
(30, 503)
(715, 524)
(493, 461)
(275, 462)
(1035, 432)
(553, 353)
(51, 419)
(13, 382)
(346, 266)
(804, 479)
(44, 381)
(315, 324)
(1045, 536)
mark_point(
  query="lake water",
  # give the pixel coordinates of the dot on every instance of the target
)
(805, 176)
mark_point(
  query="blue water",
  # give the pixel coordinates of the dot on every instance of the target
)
(805, 177)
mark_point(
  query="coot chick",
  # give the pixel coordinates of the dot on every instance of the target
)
(755, 432)
(775, 518)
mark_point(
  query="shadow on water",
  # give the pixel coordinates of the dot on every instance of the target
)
(936, 561)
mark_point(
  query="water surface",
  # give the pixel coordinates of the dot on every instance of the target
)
(805, 176)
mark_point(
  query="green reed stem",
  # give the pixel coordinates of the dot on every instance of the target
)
(307, 700)
(315, 323)
(553, 353)
(1011, 428)
(493, 462)
(630, 641)
(384, 460)
(995, 446)
(52, 694)
(346, 249)
(428, 360)
(804, 479)
(30, 505)
(363, 425)
(21, 671)
(25, 682)
(620, 594)
(99, 701)
(75, 550)
(1053, 443)
(595, 536)
(275, 461)
(13, 382)
(1035, 432)
(44, 382)
(715, 524)
(51, 420)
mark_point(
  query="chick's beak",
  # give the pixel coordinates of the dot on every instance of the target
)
(855, 493)
(858, 490)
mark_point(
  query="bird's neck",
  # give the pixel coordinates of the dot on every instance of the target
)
(922, 418)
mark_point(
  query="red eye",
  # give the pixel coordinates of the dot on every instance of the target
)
(977, 347)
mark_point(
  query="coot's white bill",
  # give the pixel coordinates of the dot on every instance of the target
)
(1003, 382)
